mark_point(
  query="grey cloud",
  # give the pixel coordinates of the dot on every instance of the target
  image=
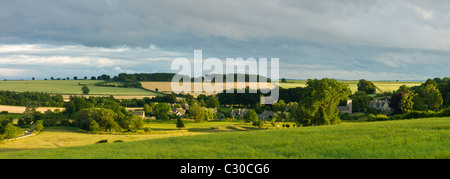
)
(381, 36)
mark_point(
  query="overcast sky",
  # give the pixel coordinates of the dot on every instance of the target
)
(342, 39)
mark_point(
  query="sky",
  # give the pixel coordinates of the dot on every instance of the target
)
(341, 39)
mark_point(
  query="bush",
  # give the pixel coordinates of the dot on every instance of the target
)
(446, 112)
(65, 122)
(421, 114)
(180, 123)
(102, 141)
(38, 127)
(21, 122)
(10, 131)
(250, 116)
(258, 124)
(379, 117)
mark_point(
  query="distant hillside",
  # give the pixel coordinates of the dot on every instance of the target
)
(133, 80)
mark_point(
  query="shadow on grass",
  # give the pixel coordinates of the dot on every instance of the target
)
(219, 129)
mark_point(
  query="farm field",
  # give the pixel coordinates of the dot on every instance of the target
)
(70, 87)
(21, 109)
(55, 137)
(383, 86)
(418, 138)
(167, 88)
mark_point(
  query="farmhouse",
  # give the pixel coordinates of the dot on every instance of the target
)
(347, 108)
(185, 105)
(266, 115)
(139, 113)
(214, 111)
(179, 111)
(381, 104)
(239, 112)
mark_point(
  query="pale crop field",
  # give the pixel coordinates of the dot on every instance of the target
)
(383, 86)
(167, 87)
(21, 109)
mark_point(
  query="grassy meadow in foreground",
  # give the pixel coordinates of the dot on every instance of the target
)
(55, 137)
(418, 138)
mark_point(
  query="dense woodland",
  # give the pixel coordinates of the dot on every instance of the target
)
(21, 99)
(133, 80)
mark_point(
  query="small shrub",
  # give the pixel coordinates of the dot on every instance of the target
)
(38, 127)
(65, 122)
(180, 123)
(147, 129)
(379, 117)
(288, 125)
(102, 141)
(21, 122)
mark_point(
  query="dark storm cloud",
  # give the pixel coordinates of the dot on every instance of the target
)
(374, 39)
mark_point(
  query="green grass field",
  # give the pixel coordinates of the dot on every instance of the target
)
(54, 137)
(418, 138)
(69, 87)
(383, 86)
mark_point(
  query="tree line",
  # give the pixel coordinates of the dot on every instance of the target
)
(21, 99)
(430, 99)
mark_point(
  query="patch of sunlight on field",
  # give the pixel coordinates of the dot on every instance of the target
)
(403, 139)
(167, 86)
(383, 86)
(55, 137)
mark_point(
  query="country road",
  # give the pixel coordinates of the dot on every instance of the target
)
(26, 134)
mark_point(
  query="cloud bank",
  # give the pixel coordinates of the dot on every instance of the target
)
(347, 39)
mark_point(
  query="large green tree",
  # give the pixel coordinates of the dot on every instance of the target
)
(361, 101)
(105, 118)
(366, 86)
(197, 113)
(280, 105)
(136, 122)
(406, 102)
(212, 102)
(432, 97)
(251, 116)
(161, 111)
(85, 90)
(319, 106)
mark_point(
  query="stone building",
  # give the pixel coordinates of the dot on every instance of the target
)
(347, 108)
(381, 104)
